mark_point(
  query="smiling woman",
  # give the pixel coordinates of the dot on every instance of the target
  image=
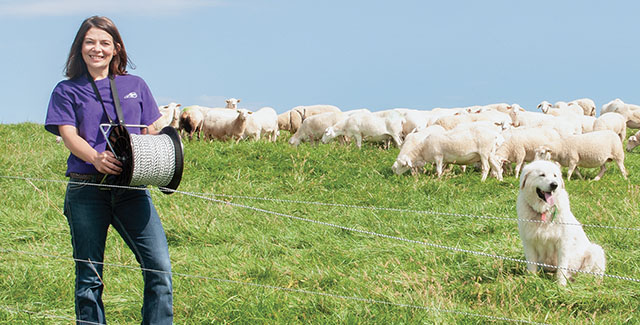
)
(97, 74)
(97, 52)
(97, 45)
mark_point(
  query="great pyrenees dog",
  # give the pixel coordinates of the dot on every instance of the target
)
(557, 238)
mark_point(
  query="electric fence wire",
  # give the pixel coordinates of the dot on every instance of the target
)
(265, 286)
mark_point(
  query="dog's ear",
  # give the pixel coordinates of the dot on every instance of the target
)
(523, 178)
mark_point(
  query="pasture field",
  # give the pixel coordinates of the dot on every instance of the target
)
(321, 234)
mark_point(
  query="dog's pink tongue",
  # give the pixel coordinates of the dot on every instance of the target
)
(549, 199)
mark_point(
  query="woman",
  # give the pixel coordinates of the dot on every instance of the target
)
(77, 107)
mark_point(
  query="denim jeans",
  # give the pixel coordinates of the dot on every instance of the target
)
(90, 210)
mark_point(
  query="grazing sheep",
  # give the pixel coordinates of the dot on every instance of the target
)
(263, 121)
(413, 143)
(590, 150)
(586, 121)
(561, 108)
(222, 125)
(170, 116)
(232, 103)
(291, 120)
(191, 119)
(630, 111)
(462, 146)
(587, 104)
(313, 127)
(366, 126)
(520, 145)
(612, 121)
(565, 125)
(414, 119)
(633, 141)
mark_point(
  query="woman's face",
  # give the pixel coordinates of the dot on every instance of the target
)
(97, 51)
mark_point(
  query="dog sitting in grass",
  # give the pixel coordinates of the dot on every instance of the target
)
(557, 238)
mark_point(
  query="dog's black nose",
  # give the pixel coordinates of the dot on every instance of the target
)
(553, 186)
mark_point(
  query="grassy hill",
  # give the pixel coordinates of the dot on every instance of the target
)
(276, 244)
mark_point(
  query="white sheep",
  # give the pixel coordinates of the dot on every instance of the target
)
(462, 146)
(408, 157)
(561, 108)
(612, 121)
(630, 111)
(192, 117)
(586, 121)
(313, 128)
(170, 116)
(565, 125)
(633, 141)
(367, 126)
(292, 119)
(587, 104)
(415, 119)
(232, 103)
(222, 125)
(520, 145)
(590, 150)
(262, 122)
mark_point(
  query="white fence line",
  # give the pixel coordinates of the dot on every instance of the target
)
(201, 195)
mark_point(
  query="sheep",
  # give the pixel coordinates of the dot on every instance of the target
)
(565, 125)
(593, 149)
(462, 146)
(586, 122)
(291, 120)
(221, 125)
(633, 141)
(630, 111)
(407, 158)
(415, 119)
(449, 122)
(520, 145)
(500, 107)
(170, 116)
(588, 106)
(366, 126)
(232, 103)
(313, 127)
(191, 119)
(263, 121)
(612, 121)
(561, 108)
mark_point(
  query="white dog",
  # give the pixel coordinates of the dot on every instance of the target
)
(543, 197)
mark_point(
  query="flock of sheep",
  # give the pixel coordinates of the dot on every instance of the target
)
(491, 136)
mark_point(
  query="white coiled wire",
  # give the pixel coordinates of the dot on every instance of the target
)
(154, 160)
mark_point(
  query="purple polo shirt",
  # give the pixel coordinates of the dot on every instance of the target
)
(73, 102)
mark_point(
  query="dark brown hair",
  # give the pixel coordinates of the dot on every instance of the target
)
(76, 66)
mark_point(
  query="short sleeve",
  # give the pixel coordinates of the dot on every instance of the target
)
(60, 111)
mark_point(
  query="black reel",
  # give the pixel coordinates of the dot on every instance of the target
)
(120, 140)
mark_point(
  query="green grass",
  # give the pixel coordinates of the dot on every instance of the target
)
(232, 262)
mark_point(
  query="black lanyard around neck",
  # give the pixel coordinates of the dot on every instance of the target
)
(114, 94)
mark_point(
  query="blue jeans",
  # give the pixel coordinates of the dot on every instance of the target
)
(90, 210)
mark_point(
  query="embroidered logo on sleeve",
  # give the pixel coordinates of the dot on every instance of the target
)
(131, 95)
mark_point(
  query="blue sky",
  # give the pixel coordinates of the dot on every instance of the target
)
(352, 54)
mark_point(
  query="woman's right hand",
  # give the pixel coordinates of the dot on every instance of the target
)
(107, 163)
